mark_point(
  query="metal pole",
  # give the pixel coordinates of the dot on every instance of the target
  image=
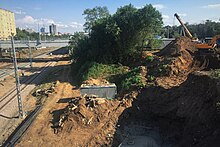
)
(1, 50)
(30, 53)
(20, 105)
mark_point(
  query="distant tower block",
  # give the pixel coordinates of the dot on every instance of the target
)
(53, 29)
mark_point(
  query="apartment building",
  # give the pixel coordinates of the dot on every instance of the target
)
(7, 24)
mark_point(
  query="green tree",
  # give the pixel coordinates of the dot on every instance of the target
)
(75, 40)
(118, 38)
(92, 15)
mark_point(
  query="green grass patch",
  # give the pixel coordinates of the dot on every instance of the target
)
(215, 74)
(132, 79)
(120, 75)
(96, 70)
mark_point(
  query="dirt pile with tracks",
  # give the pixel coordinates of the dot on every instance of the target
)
(92, 123)
(182, 62)
(185, 101)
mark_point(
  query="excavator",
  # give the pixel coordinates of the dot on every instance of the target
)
(210, 47)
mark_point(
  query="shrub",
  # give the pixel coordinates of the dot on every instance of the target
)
(216, 74)
(132, 79)
(97, 70)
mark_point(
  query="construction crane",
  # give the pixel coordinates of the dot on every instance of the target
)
(203, 48)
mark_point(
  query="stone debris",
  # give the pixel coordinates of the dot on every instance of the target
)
(75, 107)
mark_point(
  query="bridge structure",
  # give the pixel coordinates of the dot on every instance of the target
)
(6, 44)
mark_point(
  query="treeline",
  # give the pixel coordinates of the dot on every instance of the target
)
(115, 38)
(24, 35)
(207, 29)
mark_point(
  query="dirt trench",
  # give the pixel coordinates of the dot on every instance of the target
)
(183, 107)
(187, 115)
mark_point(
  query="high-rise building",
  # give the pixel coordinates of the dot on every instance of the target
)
(53, 29)
(42, 30)
(7, 24)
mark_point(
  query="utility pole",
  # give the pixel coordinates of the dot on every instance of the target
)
(30, 52)
(168, 32)
(20, 105)
(0, 50)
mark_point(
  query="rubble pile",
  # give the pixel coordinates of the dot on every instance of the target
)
(45, 91)
(80, 108)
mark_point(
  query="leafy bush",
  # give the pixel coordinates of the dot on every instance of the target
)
(102, 70)
(150, 58)
(132, 79)
(150, 77)
(216, 74)
(96, 70)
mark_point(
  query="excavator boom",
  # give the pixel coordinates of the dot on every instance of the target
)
(185, 28)
(203, 49)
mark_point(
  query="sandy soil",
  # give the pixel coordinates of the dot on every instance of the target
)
(3, 64)
(9, 82)
(75, 132)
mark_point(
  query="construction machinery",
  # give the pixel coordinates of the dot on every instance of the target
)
(208, 47)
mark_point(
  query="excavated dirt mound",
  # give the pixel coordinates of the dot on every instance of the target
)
(181, 52)
(174, 48)
(91, 123)
(188, 114)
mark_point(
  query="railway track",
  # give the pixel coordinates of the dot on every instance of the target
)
(10, 71)
(7, 72)
(8, 97)
(20, 130)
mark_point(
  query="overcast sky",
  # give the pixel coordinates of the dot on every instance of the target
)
(67, 14)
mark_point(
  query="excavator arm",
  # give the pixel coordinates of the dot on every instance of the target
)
(214, 40)
(183, 25)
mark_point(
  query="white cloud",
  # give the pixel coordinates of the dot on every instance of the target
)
(139, 7)
(165, 16)
(45, 21)
(182, 14)
(76, 25)
(27, 20)
(60, 25)
(167, 20)
(19, 12)
(31, 22)
(212, 6)
(159, 6)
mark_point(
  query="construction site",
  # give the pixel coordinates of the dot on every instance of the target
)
(170, 97)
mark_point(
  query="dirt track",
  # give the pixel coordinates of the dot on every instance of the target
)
(75, 132)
